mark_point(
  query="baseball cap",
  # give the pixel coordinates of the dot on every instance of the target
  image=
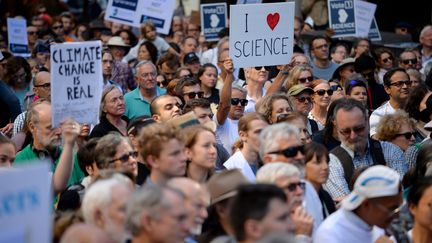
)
(190, 57)
(376, 181)
(224, 185)
(299, 88)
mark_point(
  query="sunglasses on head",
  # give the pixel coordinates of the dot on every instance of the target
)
(193, 95)
(385, 60)
(293, 186)
(267, 68)
(306, 79)
(336, 87)
(321, 92)
(408, 61)
(125, 158)
(290, 152)
(304, 99)
(242, 102)
(407, 135)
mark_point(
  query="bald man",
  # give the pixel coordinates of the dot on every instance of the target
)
(197, 201)
(85, 233)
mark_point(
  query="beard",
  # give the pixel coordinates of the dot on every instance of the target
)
(357, 145)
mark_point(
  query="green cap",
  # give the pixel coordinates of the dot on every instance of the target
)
(299, 88)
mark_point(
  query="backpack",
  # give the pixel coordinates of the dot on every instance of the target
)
(347, 163)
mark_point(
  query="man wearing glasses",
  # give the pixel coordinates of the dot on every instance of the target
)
(322, 67)
(367, 211)
(301, 99)
(397, 85)
(407, 60)
(357, 150)
(138, 100)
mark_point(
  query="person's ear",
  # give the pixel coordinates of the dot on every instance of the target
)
(252, 229)
(267, 158)
(151, 161)
(243, 136)
(98, 218)
(387, 89)
(188, 153)
(156, 117)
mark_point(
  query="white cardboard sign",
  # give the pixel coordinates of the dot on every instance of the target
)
(17, 37)
(261, 34)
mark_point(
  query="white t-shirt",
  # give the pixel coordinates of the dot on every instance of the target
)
(344, 226)
(227, 133)
(238, 161)
(377, 114)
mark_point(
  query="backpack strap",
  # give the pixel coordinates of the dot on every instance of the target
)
(376, 152)
(346, 162)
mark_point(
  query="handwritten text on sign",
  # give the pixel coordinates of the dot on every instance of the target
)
(261, 34)
(77, 81)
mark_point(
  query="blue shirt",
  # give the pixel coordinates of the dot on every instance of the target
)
(136, 105)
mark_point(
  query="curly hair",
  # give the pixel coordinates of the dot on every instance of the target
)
(154, 137)
(390, 125)
(265, 106)
(294, 74)
(13, 65)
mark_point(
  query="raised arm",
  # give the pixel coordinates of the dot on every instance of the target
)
(280, 78)
(225, 94)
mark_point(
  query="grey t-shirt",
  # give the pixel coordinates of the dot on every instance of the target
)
(324, 73)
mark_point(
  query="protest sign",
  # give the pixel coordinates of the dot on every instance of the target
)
(248, 1)
(213, 20)
(342, 17)
(17, 37)
(76, 80)
(261, 34)
(25, 204)
(364, 14)
(160, 12)
(123, 12)
(374, 33)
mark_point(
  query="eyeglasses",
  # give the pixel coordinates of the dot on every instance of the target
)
(267, 68)
(407, 135)
(45, 85)
(389, 211)
(321, 92)
(193, 95)
(408, 61)
(356, 130)
(57, 27)
(242, 102)
(399, 84)
(385, 60)
(325, 46)
(293, 186)
(146, 75)
(31, 32)
(306, 79)
(290, 152)
(336, 87)
(20, 76)
(125, 158)
(304, 99)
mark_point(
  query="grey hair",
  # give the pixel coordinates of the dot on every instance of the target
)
(238, 88)
(99, 195)
(142, 63)
(271, 135)
(414, 72)
(106, 148)
(423, 31)
(269, 173)
(149, 199)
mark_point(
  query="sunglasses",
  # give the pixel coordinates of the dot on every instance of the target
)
(304, 80)
(31, 32)
(399, 84)
(385, 60)
(125, 158)
(356, 130)
(57, 27)
(321, 92)
(407, 135)
(408, 61)
(290, 152)
(163, 83)
(45, 85)
(293, 186)
(267, 68)
(304, 99)
(193, 95)
(242, 102)
(336, 87)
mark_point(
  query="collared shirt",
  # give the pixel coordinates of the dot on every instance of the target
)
(251, 102)
(345, 226)
(238, 161)
(336, 184)
(377, 114)
(136, 105)
(122, 74)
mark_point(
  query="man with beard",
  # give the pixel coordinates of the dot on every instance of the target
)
(165, 107)
(357, 150)
(104, 205)
(397, 85)
(46, 145)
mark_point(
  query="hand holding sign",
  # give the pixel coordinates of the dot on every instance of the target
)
(70, 131)
(228, 66)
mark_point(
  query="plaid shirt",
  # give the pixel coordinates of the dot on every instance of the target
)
(122, 74)
(336, 184)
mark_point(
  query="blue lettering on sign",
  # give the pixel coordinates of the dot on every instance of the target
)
(213, 21)
(158, 23)
(18, 48)
(342, 17)
(12, 203)
(126, 4)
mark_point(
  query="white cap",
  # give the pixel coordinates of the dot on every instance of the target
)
(376, 181)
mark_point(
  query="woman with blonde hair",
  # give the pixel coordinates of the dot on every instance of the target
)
(246, 158)
(321, 101)
(273, 106)
(200, 149)
(300, 74)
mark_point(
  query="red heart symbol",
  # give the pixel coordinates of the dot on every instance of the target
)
(272, 20)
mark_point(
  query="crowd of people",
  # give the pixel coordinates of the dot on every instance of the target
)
(333, 146)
